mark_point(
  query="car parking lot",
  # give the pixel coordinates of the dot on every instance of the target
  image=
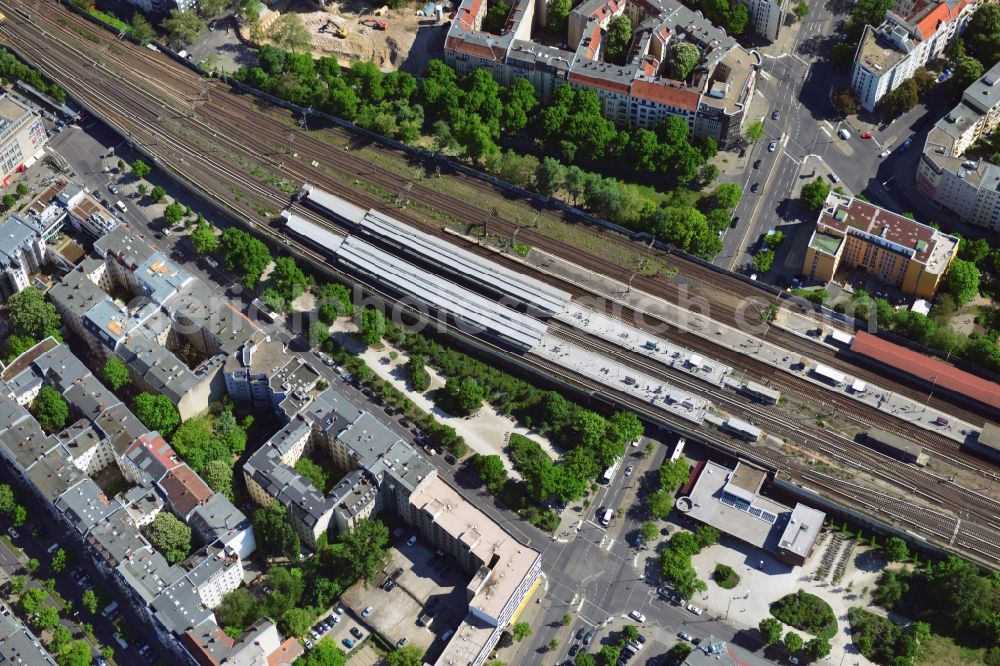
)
(419, 596)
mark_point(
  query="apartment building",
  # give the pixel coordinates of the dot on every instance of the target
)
(968, 188)
(261, 372)
(891, 53)
(384, 473)
(22, 136)
(900, 252)
(766, 16)
(175, 600)
(637, 94)
(22, 254)
(18, 645)
(174, 333)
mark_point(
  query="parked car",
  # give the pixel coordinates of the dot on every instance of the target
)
(756, 164)
(580, 632)
(348, 643)
(694, 609)
(629, 470)
(755, 188)
(637, 616)
(401, 642)
(866, 135)
(775, 116)
(356, 633)
(588, 638)
(884, 153)
(573, 649)
(368, 611)
(773, 146)
(685, 636)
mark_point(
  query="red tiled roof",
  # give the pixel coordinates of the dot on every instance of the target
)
(942, 374)
(467, 16)
(663, 93)
(597, 82)
(288, 652)
(929, 24)
(184, 489)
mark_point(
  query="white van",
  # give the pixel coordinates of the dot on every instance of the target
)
(607, 516)
(843, 133)
(120, 206)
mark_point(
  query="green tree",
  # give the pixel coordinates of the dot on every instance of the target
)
(678, 653)
(326, 653)
(21, 190)
(793, 642)
(317, 476)
(275, 535)
(218, 474)
(770, 630)
(814, 194)
(183, 27)
(239, 609)
(365, 545)
(169, 536)
(520, 631)
(156, 413)
(156, 194)
(90, 601)
(141, 30)
(408, 655)
(466, 392)
(210, 9)
(608, 654)
(983, 35)
(19, 515)
(674, 474)
(17, 345)
(173, 213)
(649, 531)
(18, 584)
(372, 326)
(895, 550)
(817, 648)
(244, 253)
(30, 315)
(492, 471)
(61, 637)
(727, 195)
(334, 301)
(967, 71)
(289, 280)
(962, 281)
(617, 38)
(900, 100)
(8, 201)
(77, 654)
(558, 16)
(115, 373)
(58, 563)
(290, 33)
(420, 379)
(845, 101)
(801, 10)
(7, 501)
(203, 238)
(142, 189)
(755, 131)
(32, 599)
(684, 57)
(50, 409)
(47, 618)
(496, 17)
(660, 503)
(108, 653)
(140, 169)
(295, 622)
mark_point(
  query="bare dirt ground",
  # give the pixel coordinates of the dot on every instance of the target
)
(408, 42)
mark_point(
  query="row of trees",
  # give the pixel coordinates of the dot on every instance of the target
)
(14, 70)
(673, 474)
(470, 114)
(9, 506)
(815, 648)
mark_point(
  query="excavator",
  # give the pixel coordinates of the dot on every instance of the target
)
(335, 29)
(374, 23)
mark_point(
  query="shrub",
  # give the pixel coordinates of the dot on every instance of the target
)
(806, 612)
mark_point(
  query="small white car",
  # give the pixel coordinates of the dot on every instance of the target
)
(637, 616)
(694, 609)
(885, 153)
(368, 611)
(629, 470)
(773, 146)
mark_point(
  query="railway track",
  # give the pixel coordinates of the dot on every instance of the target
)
(803, 431)
(233, 115)
(196, 127)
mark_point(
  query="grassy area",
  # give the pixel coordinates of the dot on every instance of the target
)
(10, 544)
(942, 651)
(725, 577)
(110, 19)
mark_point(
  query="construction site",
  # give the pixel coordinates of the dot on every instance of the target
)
(394, 39)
